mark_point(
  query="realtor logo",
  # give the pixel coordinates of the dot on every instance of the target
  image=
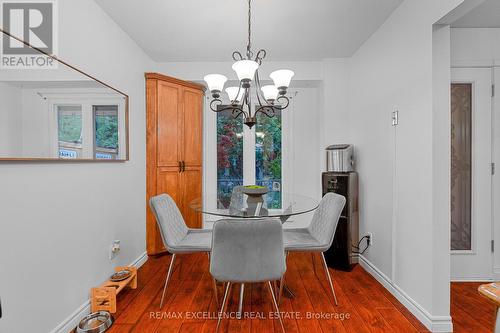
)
(33, 22)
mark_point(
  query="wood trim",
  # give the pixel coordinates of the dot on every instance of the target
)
(189, 84)
(151, 107)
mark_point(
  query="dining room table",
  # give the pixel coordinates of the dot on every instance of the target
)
(244, 206)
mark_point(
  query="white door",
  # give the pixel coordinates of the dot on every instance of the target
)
(471, 179)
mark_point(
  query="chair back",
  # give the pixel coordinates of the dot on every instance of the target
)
(326, 218)
(247, 250)
(170, 222)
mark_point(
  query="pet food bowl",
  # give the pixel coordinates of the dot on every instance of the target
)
(96, 322)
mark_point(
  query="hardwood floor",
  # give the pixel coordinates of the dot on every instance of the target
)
(364, 305)
(470, 311)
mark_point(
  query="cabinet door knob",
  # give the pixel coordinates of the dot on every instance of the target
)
(180, 166)
(183, 166)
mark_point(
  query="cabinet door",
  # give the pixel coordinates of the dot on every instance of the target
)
(192, 126)
(168, 181)
(191, 189)
(169, 124)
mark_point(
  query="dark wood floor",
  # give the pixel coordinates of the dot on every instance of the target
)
(364, 305)
(470, 311)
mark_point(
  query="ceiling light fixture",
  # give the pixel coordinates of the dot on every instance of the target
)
(270, 98)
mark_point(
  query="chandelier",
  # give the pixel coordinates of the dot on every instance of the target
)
(270, 98)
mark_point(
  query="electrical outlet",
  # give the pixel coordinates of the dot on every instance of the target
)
(114, 249)
(370, 241)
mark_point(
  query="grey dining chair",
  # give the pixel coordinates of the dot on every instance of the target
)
(318, 236)
(176, 236)
(247, 251)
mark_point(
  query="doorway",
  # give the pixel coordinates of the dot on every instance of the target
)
(471, 175)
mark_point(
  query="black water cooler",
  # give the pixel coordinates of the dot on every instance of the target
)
(340, 255)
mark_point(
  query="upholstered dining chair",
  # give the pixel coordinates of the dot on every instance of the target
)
(247, 251)
(318, 236)
(176, 236)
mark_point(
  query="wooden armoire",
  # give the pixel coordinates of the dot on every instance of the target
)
(174, 148)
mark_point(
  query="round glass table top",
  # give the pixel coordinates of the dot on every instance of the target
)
(243, 206)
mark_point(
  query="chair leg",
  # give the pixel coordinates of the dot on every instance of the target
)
(275, 305)
(240, 305)
(280, 290)
(216, 294)
(329, 277)
(169, 274)
(224, 304)
(314, 263)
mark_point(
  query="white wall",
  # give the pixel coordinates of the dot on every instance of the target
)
(36, 125)
(475, 47)
(393, 70)
(11, 140)
(334, 117)
(57, 220)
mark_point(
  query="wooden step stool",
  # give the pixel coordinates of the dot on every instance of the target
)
(103, 298)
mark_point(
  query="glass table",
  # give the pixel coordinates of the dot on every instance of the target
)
(243, 206)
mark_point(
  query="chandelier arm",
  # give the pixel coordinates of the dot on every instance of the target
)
(259, 90)
(237, 94)
(285, 100)
(216, 102)
(237, 56)
(264, 110)
(261, 54)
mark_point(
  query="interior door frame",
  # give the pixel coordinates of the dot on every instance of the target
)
(474, 176)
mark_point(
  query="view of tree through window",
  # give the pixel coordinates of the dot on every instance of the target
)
(70, 123)
(106, 131)
(69, 130)
(229, 156)
(268, 157)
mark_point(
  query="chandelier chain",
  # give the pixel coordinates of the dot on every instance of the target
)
(249, 45)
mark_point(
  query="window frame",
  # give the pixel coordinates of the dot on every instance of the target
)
(210, 154)
(87, 101)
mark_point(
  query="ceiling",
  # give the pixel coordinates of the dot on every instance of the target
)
(486, 15)
(201, 30)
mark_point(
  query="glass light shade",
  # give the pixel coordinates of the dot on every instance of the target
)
(282, 77)
(215, 82)
(245, 69)
(232, 93)
(270, 92)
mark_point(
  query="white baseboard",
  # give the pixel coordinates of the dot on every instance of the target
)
(432, 323)
(472, 279)
(73, 319)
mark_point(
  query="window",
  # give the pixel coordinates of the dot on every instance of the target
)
(260, 162)
(268, 157)
(105, 131)
(229, 156)
(69, 131)
(88, 127)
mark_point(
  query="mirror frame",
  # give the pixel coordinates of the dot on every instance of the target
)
(51, 159)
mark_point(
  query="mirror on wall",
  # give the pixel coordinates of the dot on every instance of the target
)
(59, 113)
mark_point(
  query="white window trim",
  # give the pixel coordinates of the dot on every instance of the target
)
(87, 101)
